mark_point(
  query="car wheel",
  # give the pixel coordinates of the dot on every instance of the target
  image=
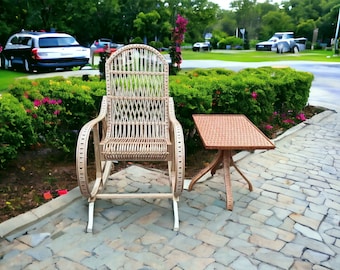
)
(10, 65)
(295, 49)
(2, 62)
(27, 65)
(279, 48)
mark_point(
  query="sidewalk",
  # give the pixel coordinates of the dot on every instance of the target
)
(290, 221)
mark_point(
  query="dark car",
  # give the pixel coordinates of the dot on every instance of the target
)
(43, 51)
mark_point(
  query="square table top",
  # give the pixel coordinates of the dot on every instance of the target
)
(230, 132)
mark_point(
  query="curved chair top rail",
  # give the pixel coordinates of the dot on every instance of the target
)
(137, 67)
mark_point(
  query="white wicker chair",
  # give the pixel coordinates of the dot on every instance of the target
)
(136, 123)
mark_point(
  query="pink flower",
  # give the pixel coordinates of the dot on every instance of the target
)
(34, 115)
(301, 117)
(254, 95)
(56, 112)
(268, 127)
(37, 103)
(52, 101)
(288, 121)
(45, 100)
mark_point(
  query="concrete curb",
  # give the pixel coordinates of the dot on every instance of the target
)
(26, 219)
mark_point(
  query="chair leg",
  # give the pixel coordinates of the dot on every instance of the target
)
(176, 218)
(89, 228)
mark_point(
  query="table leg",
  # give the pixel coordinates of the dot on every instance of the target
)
(225, 157)
(228, 190)
(250, 186)
(212, 166)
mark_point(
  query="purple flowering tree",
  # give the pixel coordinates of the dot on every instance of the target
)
(177, 39)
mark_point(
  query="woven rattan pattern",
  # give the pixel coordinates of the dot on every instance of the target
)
(137, 93)
(230, 131)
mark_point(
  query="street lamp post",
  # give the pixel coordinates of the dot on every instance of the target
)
(336, 44)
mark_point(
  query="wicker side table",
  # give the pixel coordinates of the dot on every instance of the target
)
(227, 133)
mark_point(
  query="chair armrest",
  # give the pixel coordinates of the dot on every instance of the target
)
(172, 116)
(86, 129)
(178, 153)
(83, 143)
(100, 117)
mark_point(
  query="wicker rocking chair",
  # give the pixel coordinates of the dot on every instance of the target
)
(136, 122)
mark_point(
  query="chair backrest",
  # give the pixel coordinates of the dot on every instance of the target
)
(137, 89)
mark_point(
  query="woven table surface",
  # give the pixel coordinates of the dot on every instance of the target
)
(230, 132)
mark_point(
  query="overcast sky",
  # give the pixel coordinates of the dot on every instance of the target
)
(225, 4)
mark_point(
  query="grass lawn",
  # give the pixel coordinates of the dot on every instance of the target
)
(7, 77)
(254, 56)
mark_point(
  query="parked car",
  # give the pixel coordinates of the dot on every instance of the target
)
(43, 51)
(282, 42)
(102, 44)
(201, 46)
(291, 45)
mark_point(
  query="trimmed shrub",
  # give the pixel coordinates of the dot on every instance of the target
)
(59, 107)
(257, 93)
(51, 111)
(16, 130)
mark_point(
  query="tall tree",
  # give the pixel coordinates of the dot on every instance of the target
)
(328, 22)
(247, 16)
(275, 21)
(200, 14)
(147, 24)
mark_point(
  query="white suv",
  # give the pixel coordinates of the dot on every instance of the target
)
(43, 51)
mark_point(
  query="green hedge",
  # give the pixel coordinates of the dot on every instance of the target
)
(258, 93)
(50, 111)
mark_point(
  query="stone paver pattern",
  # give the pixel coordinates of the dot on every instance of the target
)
(291, 220)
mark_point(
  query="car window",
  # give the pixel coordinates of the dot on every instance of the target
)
(57, 42)
(15, 40)
(25, 41)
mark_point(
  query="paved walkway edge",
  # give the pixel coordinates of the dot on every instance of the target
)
(24, 220)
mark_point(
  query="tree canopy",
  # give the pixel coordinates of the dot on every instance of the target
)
(153, 20)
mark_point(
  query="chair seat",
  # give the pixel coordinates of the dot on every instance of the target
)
(135, 149)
